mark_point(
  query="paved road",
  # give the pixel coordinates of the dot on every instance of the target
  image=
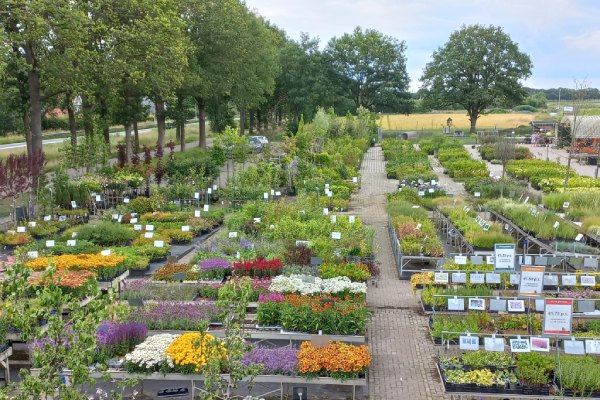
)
(403, 365)
(561, 156)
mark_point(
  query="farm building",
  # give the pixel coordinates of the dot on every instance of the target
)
(587, 134)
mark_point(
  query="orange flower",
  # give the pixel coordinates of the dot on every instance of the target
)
(66, 278)
(334, 359)
(79, 261)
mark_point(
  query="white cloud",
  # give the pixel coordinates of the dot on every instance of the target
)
(588, 41)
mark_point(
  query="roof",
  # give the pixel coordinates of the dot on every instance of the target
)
(586, 126)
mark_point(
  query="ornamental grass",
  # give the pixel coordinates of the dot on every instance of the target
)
(336, 360)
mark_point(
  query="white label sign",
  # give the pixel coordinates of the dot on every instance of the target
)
(185, 228)
(73, 204)
(233, 235)
(354, 179)
(539, 344)
(588, 280)
(266, 195)
(98, 197)
(149, 235)
(32, 224)
(456, 304)
(159, 243)
(519, 345)
(209, 190)
(137, 227)
(336, 235)
(21, 229)
(32, 254)
(469, 343)
(206, 206)
(49, 217)
(574, 347)
(133, 220)
(326, 211)
(477, 304)
(105, 252)
(592, 346)
(126, 200)
(149, 227)
(333, 219)
(197, 213)
(71, 243)
(477, 278)
(196, 195)
(516, 305)
(440, 277)
(50, 243)
(569, 280)
(460, 260)
(493, 344)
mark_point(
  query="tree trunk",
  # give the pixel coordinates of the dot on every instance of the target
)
(160, 120)
(251, 123)
(182, 135)
(88, 118)
(473, 115)
(242, 122)
(72, 122)
(35, 109)
(201, 122)
(177, 132)
(26, 127)
(136, 137)
(104, 119)
(128, 142)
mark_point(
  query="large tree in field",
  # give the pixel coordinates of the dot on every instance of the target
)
(372, 69)
(477, 67)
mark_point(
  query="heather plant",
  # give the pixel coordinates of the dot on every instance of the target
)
(175, 315)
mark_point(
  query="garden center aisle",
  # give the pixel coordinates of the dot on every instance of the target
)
(402, 365)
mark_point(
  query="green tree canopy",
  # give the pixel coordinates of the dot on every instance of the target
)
(372, 69)
(477, 67)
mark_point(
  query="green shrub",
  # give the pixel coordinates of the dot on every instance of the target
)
(534, 369)
(143, 205)
(356, 272)
(106, 233)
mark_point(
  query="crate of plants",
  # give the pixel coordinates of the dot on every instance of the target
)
(578, 376)
(147, 289)
(496, 376)
(176, 273)
(174, 315)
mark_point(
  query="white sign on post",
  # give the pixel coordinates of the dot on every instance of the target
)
(215, 187)
(32, 254)
(592, 346)
(50, 243)
(588, 280)
(519, 345)
(137, 227)
(149, 235)
(73, 204)
(569, 280)
(32, 224)
(469, 343)
(98, 197)
(456, 304)
(558, 314)
(460, 260)
(355, 179)
(326, 211)
(266, 195)
(196, 195)
(133, 220)
(49, 217)
(21, 229)
(532, 281)
(71, 243)
(504, 257)
(197, 213)
(209, 190)
(333, 219)
(336, 235)
(105, 252)
(421, 193)
(159, 243)
(185, 228)
(206, 206)
(477, 194)
(233, 235)
(126, 200)
(493, 343)
(257, 220)
(351, 219)
(440, 277)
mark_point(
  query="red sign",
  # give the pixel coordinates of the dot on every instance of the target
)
(558, 315)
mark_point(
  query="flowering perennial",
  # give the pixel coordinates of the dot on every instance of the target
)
(310, 286)
(337, 360)
(78, 261)
(259, 268)
(192, 350)
(150, 355)
(275, 360)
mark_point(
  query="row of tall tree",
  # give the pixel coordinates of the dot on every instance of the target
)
(203, 57)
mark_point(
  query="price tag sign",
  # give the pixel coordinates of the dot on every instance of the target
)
(504, 257)
(492, 277)
(539, 344)
(105, 252)
(233, 235)
(137, 227)
(459, 277)
(477, 278)
(592, 346)
(477, 194)
(532, 281)
(149, 227)
(351, 219)
(196, 195)
(21, 229)
(574, 346)
(519, 346)
(148, 235)
(71, 243)
(326, 211)
(209, 190)
(98, 197)
(477, 304)
(333, 219)
(516, 305)
(469, 343)
(50, 243)
(197, 213)
(456, 304)
(336, 235)
(185, 228)
(73, 204)
(206, 206)
(159, 243)
(257, 220)
(126, 200)
(32, 224)
(440, 277)
(266, 195)
(133, 220)
(558, 315)
(355, 179)
(49, 217)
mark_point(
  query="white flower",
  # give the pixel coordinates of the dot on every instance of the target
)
(305, 285)
(151, 352)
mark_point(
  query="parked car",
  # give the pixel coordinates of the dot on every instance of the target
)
(262, 139)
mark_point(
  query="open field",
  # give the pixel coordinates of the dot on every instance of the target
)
(415, 122)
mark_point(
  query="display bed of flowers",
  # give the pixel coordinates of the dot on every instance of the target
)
(457, 161)
(416, 233)
(464, 218)
(405, 163)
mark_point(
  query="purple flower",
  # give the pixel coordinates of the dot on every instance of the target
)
(114, 333)
(274, 297)
(277, 360)
(175, 315)
(246, 244)
(42, 343)
(214, 263)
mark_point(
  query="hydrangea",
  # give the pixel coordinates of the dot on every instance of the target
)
(151, 353)
(311, 285)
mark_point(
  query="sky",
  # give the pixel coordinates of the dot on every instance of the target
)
(562, 37)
